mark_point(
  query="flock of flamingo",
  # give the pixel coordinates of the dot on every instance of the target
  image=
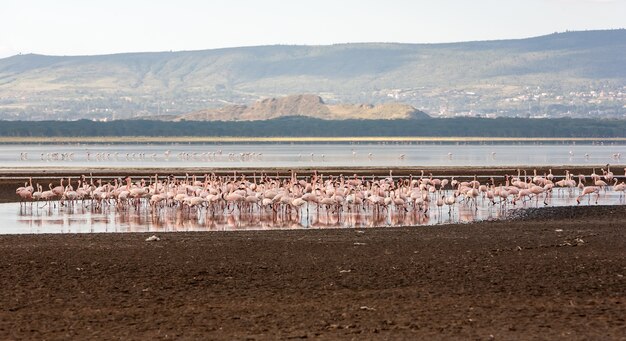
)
(294, 197)
(218, 155)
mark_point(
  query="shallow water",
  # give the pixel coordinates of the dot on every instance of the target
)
(85, 218)
(308, 155)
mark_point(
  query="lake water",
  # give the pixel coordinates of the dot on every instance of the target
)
(85, 218)
(82, 218)
(255, 155)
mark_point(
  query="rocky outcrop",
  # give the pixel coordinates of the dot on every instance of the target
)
(304, 105)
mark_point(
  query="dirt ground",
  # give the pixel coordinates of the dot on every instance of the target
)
(554, 273)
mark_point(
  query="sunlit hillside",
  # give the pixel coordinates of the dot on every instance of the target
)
(575, 73)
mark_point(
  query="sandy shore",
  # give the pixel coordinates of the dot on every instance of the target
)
(552, 274)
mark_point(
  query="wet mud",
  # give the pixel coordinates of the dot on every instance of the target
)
(554, 273)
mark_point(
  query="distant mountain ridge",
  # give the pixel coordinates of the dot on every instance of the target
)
(503, 77)
(304, 105)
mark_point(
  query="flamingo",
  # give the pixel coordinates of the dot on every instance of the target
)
(588, 191)
(608, 175)
(537, 190)
(621, 187)
(37, 194)
(450, 201)
(523, 194)
(242, 197)
(24, 194)
(58, 190)
(601, 184)
(69, 195)
(297, 203)
(440, 202)
(47, 195)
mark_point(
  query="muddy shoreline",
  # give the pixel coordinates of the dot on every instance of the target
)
(549, 273)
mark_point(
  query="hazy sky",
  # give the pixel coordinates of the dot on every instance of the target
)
(78, 27)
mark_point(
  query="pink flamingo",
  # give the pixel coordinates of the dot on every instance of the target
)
(37, 194)
(47, 195)
(608, 175)
(450, 201)
(59, 190)
(600, 184)
(588, 191)
(25, 193)
(620, 188)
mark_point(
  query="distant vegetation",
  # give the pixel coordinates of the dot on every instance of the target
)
(564, 74)
(299, 126)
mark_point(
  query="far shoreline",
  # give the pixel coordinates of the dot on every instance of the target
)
(301, 139)
(415, 171)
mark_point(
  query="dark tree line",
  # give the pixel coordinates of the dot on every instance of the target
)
(299, 126)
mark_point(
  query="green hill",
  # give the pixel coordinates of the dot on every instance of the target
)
(573, 73)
